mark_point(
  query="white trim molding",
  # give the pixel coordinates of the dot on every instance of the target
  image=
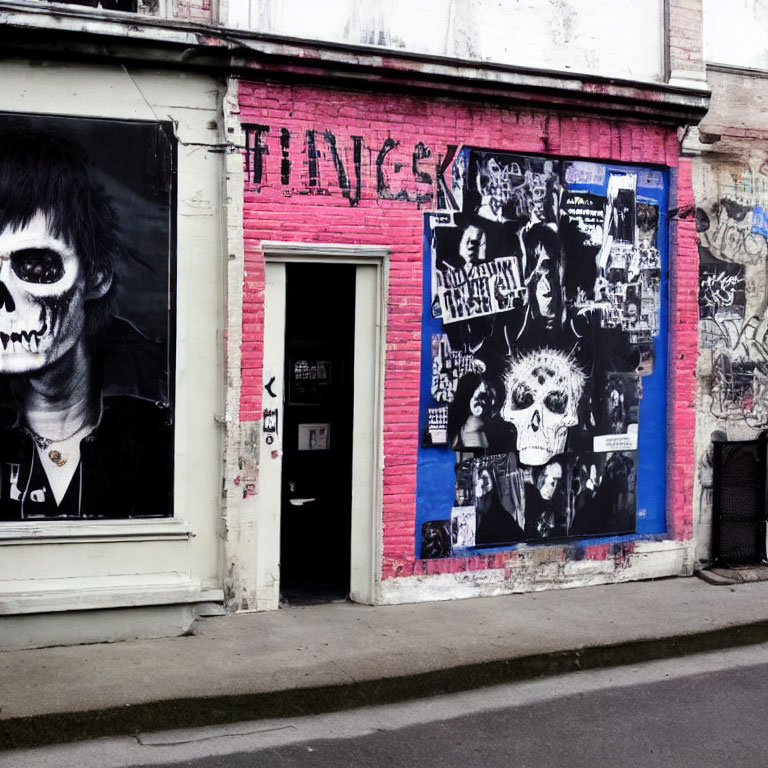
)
(260, 552)
(47, 595)
(280, 251)
(83, 531)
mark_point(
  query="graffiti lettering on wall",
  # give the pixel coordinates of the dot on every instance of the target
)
(721, 304)
(733, 239)
(86, 392)
(735, 232)
(542, 301)
(319, 163)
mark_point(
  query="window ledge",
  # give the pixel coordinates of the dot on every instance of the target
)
(103, 593)
(83, 531)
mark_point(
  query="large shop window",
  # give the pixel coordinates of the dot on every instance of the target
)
(86, 318)
(544, 351)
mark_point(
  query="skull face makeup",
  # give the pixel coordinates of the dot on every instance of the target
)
(543, 390)
(42, 297)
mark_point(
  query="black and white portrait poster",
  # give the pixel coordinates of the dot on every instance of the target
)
(543, 336)
(87, 275)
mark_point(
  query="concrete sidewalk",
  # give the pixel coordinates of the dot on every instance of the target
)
(320, 658)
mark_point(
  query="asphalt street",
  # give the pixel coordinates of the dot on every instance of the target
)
(703, 710)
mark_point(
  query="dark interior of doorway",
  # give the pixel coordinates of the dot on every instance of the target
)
(316, 501)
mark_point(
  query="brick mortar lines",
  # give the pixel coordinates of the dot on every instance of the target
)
(271, 215)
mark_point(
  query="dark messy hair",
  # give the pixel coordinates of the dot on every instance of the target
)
(541, 235)
(40, 172)
(547, 238)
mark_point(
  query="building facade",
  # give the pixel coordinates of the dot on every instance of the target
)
(395, 315)
(730, 170)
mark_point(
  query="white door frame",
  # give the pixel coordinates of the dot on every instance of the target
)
(367, 442)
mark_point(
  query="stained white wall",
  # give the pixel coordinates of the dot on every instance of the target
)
(617, 38)
(736, 32)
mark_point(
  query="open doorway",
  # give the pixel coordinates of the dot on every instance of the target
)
(323, 303)
(316, 487)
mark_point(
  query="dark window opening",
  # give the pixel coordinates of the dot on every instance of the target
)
(739, 502)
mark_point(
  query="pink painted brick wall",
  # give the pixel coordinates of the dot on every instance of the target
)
(683, 346)
(272, 212)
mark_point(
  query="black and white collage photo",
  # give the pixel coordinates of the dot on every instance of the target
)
(547, 295)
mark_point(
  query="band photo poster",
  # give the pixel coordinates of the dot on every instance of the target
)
(87, 306)
(543, 398)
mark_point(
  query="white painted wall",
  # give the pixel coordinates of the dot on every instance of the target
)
(66, 566)
(617, 38)
(736, 32)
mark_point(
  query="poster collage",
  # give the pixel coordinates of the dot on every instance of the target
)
(542, 306)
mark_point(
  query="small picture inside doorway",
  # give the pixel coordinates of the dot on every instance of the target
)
(314, 437)
(308, 382)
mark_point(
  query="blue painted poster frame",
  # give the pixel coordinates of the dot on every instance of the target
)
(435, 464)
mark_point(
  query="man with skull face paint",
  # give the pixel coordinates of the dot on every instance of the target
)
(85, 422)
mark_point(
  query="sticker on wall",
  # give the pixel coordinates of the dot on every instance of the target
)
(437, 427)
(618, 415)
(270, 420)
(542, 329)
(463, 520)
(86, 318)
(586, 213)
(269, 425)
(448, 366)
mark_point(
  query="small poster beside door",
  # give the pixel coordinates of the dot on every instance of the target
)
(314, 437)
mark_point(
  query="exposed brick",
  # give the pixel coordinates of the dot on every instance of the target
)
(685, 35)
(277, 212)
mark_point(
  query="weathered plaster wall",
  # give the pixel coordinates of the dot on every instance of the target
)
(617, 38)
(192, 10)
(336, 167)
(731, 189)
(734, 32)
(685, 60)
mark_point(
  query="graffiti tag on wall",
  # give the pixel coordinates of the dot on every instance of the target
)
(316, 162)
(543, 302)
(733, 238)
